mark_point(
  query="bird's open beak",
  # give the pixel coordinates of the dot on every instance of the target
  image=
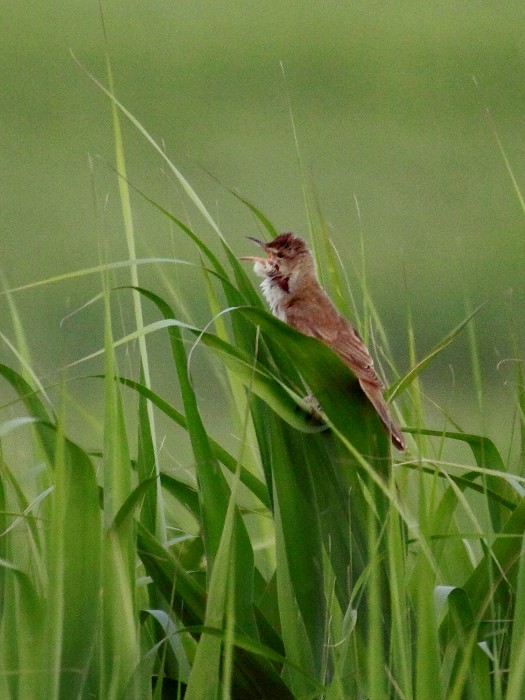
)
(255, 258)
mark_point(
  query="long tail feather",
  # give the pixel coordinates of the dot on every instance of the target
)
(375, 395)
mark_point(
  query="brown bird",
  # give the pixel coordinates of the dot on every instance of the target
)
(292, 290)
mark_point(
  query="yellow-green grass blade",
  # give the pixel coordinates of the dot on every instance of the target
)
(4, 540)
(96, 269)
(258, 214)
(120, 651)
(146, 459)
(466, 669)
(376, 610)
(26, 518)
(498, 487)
(248, 340)
(172, 580)
(147, 443)
(257, 649)
(33, 405)
(188, 189)
(497, 569)
(401, 624)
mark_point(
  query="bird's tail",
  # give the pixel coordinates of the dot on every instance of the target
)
(375, 396)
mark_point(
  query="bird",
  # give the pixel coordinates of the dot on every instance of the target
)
(292, 290)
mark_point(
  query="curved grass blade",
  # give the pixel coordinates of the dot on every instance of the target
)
(33, 405)
(405, 381)
(282, 399)
(192, 195)
(255, 211)
(184, 493)
(97, 269)
(497, 488)
(187, 596)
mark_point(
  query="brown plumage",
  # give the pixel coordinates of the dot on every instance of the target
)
(292, 290)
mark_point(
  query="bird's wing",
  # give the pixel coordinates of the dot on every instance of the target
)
(342, 337)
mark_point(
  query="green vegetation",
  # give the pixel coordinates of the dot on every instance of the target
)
(299, 560)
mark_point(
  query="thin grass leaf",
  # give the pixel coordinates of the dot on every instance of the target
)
(256, 648)
(402, 637)
(192, 195)
(255, 211)
(282, 399)
(126, 512)
(300, 575)
(148, 441)
(374, 639)
(146, 463)
(498, 487)
(427, 662)
(121, 645)
(33, 405)
(4, 542)
(25, 614)
(172, 637)
(405, 381)
(96, 269)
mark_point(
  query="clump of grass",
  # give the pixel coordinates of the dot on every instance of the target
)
(308, 562)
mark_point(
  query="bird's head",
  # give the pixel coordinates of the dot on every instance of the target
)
(287, 258)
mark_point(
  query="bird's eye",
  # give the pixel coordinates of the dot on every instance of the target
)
(279, 255)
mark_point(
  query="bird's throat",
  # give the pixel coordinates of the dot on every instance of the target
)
(275, 290)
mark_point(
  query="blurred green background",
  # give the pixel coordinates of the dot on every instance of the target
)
(390, 102)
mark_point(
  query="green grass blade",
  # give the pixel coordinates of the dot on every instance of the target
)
(204, 681)
(516, 682)
(405, 381)
(146, 460)
(255, 211)
(188, 189)
(74, 570)
(171, 579)
(25, 615)
(427, 665)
